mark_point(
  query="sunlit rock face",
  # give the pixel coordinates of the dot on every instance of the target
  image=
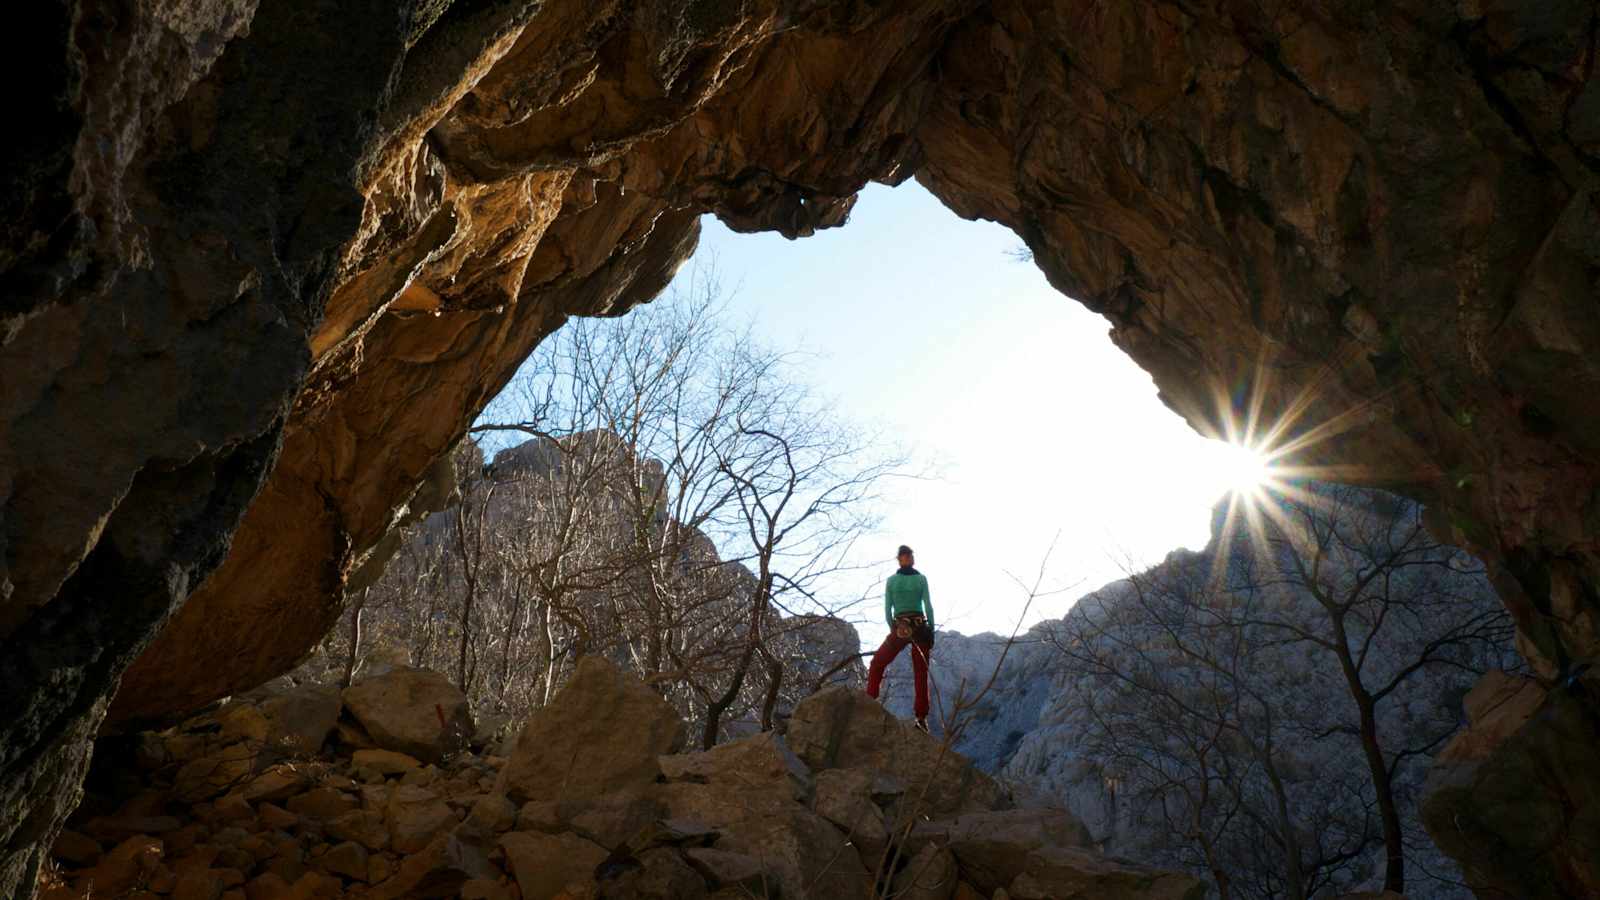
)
(260, 266)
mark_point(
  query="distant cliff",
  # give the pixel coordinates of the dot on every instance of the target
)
(1041, 726)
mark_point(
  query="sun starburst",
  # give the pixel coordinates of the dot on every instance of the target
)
(1260, 463)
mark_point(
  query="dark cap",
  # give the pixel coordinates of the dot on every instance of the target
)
(904, 551)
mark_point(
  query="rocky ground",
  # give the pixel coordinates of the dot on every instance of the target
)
(384, 790)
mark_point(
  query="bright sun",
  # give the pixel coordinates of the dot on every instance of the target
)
(1238, 468)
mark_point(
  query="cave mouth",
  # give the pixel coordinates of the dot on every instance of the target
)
(1042, 449)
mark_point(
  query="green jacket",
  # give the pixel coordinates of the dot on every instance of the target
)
(906, 591)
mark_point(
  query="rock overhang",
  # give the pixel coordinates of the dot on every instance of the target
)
(329, 234)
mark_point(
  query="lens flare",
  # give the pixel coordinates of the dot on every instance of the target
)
(1260, 459)
(1238, 468)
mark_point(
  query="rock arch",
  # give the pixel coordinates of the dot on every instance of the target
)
(262, 265)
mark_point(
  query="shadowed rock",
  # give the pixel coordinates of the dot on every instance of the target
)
(411, 711)
(602, 735)
(1516, 796)
(839, 728)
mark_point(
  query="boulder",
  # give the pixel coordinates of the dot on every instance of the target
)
(491, 731)
(414, 816)
(845, 798)
(540, 815)
(322, 804)
(615, 820)
(301, 719)
(266, 886)
(545, 864)
(1515, 798)
(1498, 705)
(840, 727)
(725, 869)
(184, 839)
(364, 826)
(761, 763)
(993, 848)
(493, 814)
(603, 733)
(215, 773)
(348, 859)
(806, 856)
(674, 833)
(438, 870)
(276, 784)
(652, 875)
(231, 807)
(414, 711)
(242, 722)
(929, 875)
(385, 762)
(421, 776)
(124, 866)
(276, 817)
(375, 796)
(380, 866)
(351, 736)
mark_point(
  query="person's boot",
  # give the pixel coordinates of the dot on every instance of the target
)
(922, 726)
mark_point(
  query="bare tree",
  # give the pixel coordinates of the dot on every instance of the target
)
(1378, 580)
(804, 488)
(353, 654)
(662, 490)
(1183, 705)
(1204, 696)
(470, 531)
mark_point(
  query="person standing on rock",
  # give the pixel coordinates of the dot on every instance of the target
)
(909, 612)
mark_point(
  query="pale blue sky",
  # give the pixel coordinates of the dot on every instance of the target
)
(924, 324)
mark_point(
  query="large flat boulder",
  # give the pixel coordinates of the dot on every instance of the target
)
(993, 848)
(413, 711)
(805, 855)
(929, 875)
(845, 797)
(844, 728)
(414, 816)
(761, 764)
(602, 734)
(545, 865)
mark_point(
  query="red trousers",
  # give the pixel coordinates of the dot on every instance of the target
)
(891, 647)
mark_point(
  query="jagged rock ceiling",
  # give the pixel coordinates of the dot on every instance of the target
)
(261, 266)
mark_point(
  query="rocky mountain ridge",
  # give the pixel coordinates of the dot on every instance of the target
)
(1035, 727)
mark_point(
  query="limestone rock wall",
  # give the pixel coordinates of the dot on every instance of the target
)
(1376, 221)
(261, 265)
